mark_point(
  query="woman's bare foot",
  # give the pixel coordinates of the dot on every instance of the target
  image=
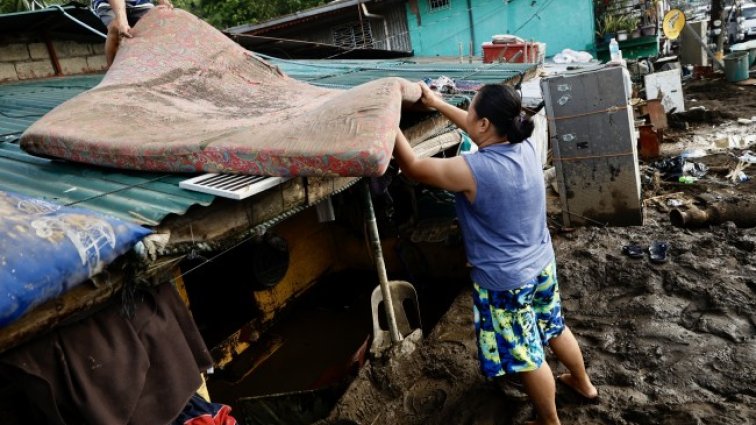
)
(585, 389)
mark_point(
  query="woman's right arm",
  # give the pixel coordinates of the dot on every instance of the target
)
(454, 114)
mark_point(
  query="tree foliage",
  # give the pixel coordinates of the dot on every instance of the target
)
(219, 13)
(11, 6)
(227, 13)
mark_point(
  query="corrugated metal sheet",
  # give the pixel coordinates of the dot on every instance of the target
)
(23, 103)
(350, 73)
(145, 198)
(295, 17)
(396, 18)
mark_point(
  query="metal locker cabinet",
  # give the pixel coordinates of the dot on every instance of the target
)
(593, 139)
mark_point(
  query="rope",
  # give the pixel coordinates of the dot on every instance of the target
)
(100, 195)
(610, 110)
(258, 230)
(250, 234)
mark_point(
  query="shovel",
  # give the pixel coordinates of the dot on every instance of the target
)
(394, 295)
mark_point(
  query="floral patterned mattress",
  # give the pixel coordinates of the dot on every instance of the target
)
(182, 97)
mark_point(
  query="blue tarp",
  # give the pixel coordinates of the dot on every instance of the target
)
(46, 249)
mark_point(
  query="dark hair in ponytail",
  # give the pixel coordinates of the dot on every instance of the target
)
(502, 106)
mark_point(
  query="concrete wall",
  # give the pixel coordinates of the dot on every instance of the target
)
(441, 32)
(24, 57)
(558, 23)
(562, 24)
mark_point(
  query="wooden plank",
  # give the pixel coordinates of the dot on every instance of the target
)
(656, 113)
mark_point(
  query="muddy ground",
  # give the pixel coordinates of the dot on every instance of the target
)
(669, 343)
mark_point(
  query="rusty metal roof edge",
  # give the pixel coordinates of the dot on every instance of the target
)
(328, 7)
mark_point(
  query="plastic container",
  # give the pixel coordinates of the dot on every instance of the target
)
(511, 52)
(750, 47)
(736, 66)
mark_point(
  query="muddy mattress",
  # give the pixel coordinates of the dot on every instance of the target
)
(182, 97)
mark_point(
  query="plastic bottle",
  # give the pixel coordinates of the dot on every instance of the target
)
(687, 179)
(614, 51)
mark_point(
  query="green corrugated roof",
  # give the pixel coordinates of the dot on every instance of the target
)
(145, 198)
(23, 103)
(349, 73)
(148, 198)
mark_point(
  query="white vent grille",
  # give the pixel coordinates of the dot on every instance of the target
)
(234, 186)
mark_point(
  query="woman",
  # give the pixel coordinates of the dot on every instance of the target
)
(501, 205)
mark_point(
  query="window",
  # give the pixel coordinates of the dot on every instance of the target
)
(353, 35)
(438, 4)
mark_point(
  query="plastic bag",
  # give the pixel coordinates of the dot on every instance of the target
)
(47, 249)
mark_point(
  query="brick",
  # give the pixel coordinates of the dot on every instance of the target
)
(38, 69)
(68, 49)
(13, 52)
(97, 63)
(7, 72)
(38, 51)
(98, 49)
(73, 66)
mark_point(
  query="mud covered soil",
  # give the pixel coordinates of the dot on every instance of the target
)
(670, 343)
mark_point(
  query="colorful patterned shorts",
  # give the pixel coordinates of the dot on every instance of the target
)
(513, 326)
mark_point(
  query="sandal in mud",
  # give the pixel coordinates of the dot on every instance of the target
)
(633, 251)
(657, 252)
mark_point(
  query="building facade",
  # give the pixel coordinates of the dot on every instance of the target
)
(448, 27)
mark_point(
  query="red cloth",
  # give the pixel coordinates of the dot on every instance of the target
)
(200, 412)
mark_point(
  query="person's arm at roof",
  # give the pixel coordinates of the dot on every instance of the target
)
(451, 174)
(432, 100)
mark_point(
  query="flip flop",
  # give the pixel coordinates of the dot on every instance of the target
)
(583, 398)
(633, 250)
(657, 252)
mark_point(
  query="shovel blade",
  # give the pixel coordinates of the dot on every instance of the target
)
(406, 310)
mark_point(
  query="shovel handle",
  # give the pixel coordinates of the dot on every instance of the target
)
(377, 251)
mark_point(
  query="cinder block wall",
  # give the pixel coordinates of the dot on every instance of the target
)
(27, 57)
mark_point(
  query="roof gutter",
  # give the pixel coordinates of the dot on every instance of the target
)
(78, 22)
(382, 18)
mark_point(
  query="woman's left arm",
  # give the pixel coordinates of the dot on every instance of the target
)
(452, 174)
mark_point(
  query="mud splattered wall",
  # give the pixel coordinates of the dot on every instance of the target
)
(25, 57)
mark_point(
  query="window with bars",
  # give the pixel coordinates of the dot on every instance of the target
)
(353, 35)
(438, 4)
